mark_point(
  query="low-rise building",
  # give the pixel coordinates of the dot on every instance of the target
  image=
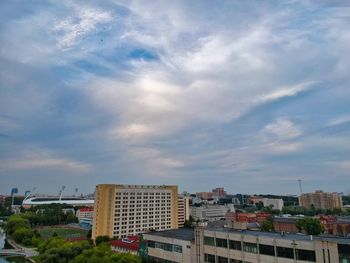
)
(171, 246)
(285, 224)
(210, 212)
(129, 244)
(276, 204)
(226, 245)
(85, 215)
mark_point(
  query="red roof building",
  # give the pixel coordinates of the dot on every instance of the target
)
(129, 244)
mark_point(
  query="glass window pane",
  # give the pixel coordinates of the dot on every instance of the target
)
(266, 250)
(250, 247)
(285, 252)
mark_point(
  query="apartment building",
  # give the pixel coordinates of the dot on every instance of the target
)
(210, 212)
(127, 210)
(183, 209)
(321, 200)
(226, 245)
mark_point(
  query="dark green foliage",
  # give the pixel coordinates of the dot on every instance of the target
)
(23, 235)
(15, 222)
(312, 226)
(101, 239)
(267, 225)
(58, 250)
(103, 253)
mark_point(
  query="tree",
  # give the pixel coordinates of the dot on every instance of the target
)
(101, 239)
(104, 254)
(312, 226)
(23, 234)
(266, 225)
(14, 222)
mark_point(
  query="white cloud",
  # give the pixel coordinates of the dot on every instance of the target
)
(283, 129)
(85, 21)
(36, 158)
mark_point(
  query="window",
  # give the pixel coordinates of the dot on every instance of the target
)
(267, 250)
(178, 249)
(221, 242)
(250, 247)
(285, 252)
(209, 258)
(168, 247)
(222, 260)
(306, 255)
(151, 243)
(235, 261)
(237, 245)
(210, 241)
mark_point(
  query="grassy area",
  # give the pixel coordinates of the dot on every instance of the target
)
(65, 232)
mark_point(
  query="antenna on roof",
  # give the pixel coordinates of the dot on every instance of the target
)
(300, 186)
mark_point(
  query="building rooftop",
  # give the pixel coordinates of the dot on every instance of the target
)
(181, 233)
(287, 236)
(131, 243)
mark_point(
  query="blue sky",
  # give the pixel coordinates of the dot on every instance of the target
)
(249, 95)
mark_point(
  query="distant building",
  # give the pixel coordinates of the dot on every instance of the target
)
(127, 210)
(321, 200)
(204, 195)
(2, 199)
(276, 204)
(183, 209)
(85, 215)
(253, 200)
(285, 224)
(129, 244)
(219, 192)
(210, 212)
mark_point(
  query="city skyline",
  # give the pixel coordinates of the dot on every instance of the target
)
(251, 96)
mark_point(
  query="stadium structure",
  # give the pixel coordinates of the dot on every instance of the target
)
(31, 200)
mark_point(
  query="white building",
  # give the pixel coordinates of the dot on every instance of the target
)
(276, 203)
(183, 209)
(210, 212)
(85, 215)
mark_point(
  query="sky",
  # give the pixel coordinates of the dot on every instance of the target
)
(248, 95)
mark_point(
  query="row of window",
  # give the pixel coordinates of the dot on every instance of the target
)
(145, 193)
(164, 246)
(208, 258)
(283, 252)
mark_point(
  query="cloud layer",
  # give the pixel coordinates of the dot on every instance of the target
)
(196, 94)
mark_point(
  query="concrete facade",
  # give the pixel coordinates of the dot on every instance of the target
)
(321, 200)
(124, 210)
(225, 245)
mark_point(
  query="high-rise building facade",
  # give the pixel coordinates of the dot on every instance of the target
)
(183, 209)
(124, 210)
(321, 200)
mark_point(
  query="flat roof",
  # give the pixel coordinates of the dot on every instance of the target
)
(181, 233)
(287, 236)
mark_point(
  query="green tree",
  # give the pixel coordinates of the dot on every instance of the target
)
(312, 226)
(266, 225)
(23, 234)
(14, 222)
(101, 239)
(104, 254)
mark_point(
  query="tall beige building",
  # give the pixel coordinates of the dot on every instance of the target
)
(321, 200)
(124, 210)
